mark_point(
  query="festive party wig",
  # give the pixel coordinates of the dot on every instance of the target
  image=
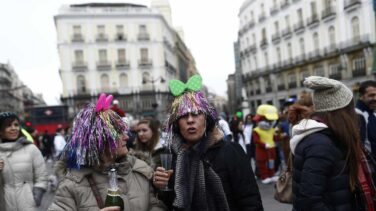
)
(190, 100)
(95, 128)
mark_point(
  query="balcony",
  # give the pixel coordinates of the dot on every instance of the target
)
(77, 38)
(251, 24)
(102, 38)
(328, 13)
(286, 33)
(351, 5)
(330, 49)
(251, 49)
(123, 65)
(314, 54)
(355, 43)
(300, 59)
(359, 72)
(120, 37)
(274, 9)
(143, 37)
(313, 21)
(292, 85)
(288, 63)
(264, 43)
(299, 27)
(145, 64)
(262, 17)
(103, 65)
(284, 4)
(268, 89)
(276, 37)
(79, 66)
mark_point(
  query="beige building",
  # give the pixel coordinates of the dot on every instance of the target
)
(284, 41)
(127, 50)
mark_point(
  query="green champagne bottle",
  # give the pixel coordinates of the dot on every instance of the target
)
(113, 197)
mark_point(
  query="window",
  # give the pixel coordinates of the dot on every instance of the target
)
(279, 56)
(289, 51)
(102, 55)
(123, 81)
(105, 83)
(81, 85)
(319, 71)
(146, 77)
(355, 28)
(292, 78)
(255, 62)
(101, 30)
(302, 46)
(252, 16)
(276, 27)
(121, 55)
(287, 20)
(144, 54)
(316, 43)
(262, 10)
(300, 15)
(313, 9)
(254, 38)
(334, 69)
(79, 56)
(304, 74)
(266, 59)
(332, 36)
(359, 63)
(142, 29)
(263, 35)
(77, 30)
(119, 32)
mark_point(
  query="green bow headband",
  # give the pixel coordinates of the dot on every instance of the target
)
(177, 87)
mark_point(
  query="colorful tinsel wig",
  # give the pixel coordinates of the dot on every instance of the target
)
(95, 128)
(188, 99)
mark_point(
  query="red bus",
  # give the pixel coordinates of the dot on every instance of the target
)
(48, 118)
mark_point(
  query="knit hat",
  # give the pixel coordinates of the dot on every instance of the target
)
(7, 115)
(328, 94)
(95, 128)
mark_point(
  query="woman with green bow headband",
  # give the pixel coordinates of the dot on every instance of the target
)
(209, 173)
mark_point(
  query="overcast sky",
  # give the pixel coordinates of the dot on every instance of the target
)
(28, 39)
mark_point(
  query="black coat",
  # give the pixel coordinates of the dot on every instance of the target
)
(232, 165)
(320, 177)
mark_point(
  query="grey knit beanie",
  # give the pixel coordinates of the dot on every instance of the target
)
(328, 94)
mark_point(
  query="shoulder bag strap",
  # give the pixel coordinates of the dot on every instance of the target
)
(289, 162)
(95, 190)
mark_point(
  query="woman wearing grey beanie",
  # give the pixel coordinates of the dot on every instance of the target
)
(326, 150)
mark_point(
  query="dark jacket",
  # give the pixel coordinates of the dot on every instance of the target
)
(320, 176)
(232, 165)
(367, 126)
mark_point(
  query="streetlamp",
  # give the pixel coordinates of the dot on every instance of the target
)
(152, 81)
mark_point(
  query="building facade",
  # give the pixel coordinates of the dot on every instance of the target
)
(127, 50)
(283, 41)
(14, 95)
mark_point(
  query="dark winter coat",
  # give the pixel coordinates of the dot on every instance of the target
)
(320, 175)
(232, 165)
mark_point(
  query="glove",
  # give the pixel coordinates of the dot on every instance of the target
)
(38, 195)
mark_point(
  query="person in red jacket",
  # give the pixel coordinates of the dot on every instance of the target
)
(115, 107)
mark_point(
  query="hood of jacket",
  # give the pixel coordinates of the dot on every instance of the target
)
(304, 128)
(129, 164)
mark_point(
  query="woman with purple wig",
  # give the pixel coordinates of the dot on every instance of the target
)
(96, 145)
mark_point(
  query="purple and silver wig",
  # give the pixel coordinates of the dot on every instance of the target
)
(190, 102)
(95, 128)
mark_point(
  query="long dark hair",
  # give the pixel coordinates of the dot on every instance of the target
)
(344, 125)
(154, 127)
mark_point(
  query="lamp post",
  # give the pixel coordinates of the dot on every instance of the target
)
(154, 105)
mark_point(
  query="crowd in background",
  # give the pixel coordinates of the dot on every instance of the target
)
(323, 131)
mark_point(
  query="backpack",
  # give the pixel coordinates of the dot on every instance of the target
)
(365, 191)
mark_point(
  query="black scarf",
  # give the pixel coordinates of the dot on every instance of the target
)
(197, 186)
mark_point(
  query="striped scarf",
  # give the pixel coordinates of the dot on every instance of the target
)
(197, 186)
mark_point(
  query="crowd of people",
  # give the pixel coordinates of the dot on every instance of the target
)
(216, 161)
